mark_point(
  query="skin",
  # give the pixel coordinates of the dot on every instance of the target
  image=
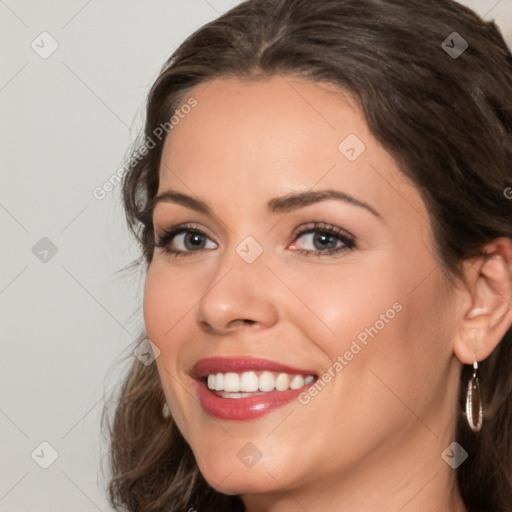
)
(372, 439)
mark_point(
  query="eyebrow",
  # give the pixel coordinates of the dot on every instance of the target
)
(284, 204)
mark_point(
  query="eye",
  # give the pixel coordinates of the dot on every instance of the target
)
(186, 239)
(323, 240)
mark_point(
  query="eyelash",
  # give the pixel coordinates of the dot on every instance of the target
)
(348, 240)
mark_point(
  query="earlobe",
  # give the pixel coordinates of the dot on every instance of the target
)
(487, 312)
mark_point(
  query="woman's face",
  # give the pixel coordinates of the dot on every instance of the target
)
(356, 302)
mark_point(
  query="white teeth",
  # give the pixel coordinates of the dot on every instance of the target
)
(297, 382)
(266, 381)
(282, 382)
(231, 382)
(219, 382)
(249, 382)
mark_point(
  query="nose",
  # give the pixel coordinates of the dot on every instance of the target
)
(238, 296)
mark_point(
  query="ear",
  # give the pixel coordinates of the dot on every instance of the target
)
(485, 307)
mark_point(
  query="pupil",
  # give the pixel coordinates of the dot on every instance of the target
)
(195, 239)
(323, 237)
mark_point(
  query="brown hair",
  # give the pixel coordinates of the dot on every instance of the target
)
(446, 121)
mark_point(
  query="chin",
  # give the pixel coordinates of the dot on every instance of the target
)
(226, 471)
(240, 482)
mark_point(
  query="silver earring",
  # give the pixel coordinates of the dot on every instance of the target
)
(166, 413)
(474, 413)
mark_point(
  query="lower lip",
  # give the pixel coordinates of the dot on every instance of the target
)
(248, 408)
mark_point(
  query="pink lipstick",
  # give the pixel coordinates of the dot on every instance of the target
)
(244, 388)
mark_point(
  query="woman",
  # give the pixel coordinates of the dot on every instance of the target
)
(322, 198)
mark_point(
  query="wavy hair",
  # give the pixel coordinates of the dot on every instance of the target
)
(446, 121)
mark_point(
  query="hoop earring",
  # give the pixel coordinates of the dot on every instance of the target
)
(474, 413)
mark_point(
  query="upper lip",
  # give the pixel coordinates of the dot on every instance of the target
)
(209, 365)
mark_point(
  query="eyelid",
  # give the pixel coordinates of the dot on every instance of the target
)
(182, 226)
(345, 237)
(320, 226)
(165, 235)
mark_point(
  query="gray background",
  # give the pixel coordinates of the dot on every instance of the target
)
(68, 318)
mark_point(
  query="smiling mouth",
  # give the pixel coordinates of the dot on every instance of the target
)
(246, 388)
(254, 383)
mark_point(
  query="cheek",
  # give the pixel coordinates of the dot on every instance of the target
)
(154, 300)
(167, 299)
(338, 306)
(383, 322)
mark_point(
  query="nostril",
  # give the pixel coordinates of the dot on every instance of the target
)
(243, 321)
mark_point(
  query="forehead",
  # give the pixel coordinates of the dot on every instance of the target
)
(277, 135)
(277, 115)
